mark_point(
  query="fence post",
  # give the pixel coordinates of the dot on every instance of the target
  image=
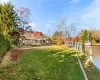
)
(91, 52)
(75, 45)
(81, 46)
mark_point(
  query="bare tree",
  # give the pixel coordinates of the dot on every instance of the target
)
(64, 30)
(23, 20)
(23, 17)
(69, 30)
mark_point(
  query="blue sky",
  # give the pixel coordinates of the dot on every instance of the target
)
(45, 13)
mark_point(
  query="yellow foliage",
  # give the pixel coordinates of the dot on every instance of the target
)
(93, 41)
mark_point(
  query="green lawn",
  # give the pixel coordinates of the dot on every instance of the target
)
(98, 44)
(56, 63)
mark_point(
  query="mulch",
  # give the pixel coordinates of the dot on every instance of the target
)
(16, 53)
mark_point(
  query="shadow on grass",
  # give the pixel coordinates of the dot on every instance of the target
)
(45, 64)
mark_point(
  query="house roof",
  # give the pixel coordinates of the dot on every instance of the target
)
(37, 34)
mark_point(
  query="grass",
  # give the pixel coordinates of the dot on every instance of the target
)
(55, 63)
(98, 44)
(91, 71)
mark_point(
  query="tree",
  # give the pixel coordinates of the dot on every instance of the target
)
(7, 19)
(66, 30)
(45, 36)
(23, 18)
(8, 26)
(96, 35)
(57, 38)
(85, 35)
(69, 30)
(75, 39)
(15, 35)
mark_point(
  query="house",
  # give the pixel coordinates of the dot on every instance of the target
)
(96, 35)
(33, 38)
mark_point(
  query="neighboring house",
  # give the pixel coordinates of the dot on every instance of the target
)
(33, 38)
(30, 35)
(96, 34)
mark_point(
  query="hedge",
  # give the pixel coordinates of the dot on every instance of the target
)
(4, 45)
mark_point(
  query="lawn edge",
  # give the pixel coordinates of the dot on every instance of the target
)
(83, 58)
(81, 66)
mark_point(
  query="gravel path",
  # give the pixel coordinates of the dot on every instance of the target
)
(37, 47)
(7, 60)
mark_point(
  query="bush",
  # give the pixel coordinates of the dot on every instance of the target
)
(4, 45)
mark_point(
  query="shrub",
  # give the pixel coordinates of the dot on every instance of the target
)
(4, 45)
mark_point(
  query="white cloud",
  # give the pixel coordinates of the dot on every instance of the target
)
(91, 15)
(47, 25)
(33, 25)
(74, 1)
(4, 1)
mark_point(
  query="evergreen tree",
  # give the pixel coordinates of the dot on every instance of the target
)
(8, 22)
(7, 19)
(85, 35)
